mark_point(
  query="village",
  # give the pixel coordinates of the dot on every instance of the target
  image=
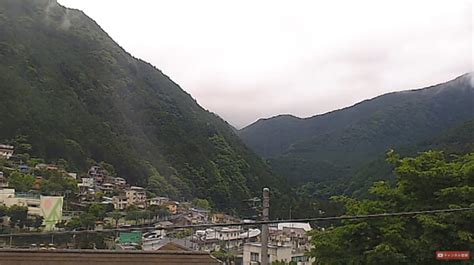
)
(101, 201)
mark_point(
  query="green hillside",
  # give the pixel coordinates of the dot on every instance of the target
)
(334, 147)
(77, 95)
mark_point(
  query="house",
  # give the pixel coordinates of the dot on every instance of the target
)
(158, 201)
(222, 218)
(6, 151)
(172, 206)
(181, 220)
(86, 185)
(292, 234)
(72, 175)
(98, 174)
(42, 166)
(136, 196)
(119, 202)
(107, 187)
(253, 251)
(200, 215)
(231, 238)
(119, 182)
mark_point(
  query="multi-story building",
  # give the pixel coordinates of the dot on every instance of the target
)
(230, 238)
(98, 174)
(49, 207)
(136, 196)
(86, 184)
(119, 182)
(119, 202)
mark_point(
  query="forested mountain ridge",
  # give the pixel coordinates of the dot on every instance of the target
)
(337, 144)
(76, 94)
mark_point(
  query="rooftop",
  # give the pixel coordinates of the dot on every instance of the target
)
(73, 257)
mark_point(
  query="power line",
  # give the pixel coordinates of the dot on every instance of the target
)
(256, 223)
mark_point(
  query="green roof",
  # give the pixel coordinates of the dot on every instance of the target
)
(130, 237)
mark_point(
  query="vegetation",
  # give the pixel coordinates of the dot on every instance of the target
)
(338, 151)
(78, 96)
(429, 181)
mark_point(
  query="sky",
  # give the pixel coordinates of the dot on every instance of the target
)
(252, 59)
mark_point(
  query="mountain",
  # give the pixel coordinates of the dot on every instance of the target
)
(334, 146)
(75, 94)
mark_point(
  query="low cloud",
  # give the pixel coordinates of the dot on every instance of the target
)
(247, 60)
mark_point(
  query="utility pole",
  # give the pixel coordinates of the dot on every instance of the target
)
(266, 206)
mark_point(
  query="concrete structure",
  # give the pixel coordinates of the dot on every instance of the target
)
(229, 238)
(136, 196)
(99, 174)
(253, 254)
(120, 182)
(49, 207)
(159, 201)
(305, 226)
(87, 183)
(6, 151)
(105, 257)
(119, 202)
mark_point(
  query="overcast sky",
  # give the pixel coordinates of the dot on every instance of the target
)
(246, 60)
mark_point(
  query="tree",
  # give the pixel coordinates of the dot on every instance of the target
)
(3, 210)
(109, 168)
(37, 222)
(87, 221)
(116, 215)
(21, 182)
(74, 224)
(202, 203)
(98, 211)
(159, 211)
(428, 181)
(3, 213)
(56, 182)
(18, 215)
(133, 215)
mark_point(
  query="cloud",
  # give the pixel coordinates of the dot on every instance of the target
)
(250, 59)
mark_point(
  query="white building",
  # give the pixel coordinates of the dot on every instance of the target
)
(159, 201)
(252, 254)
(6, 151)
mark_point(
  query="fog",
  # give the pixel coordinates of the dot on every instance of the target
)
(246, 60)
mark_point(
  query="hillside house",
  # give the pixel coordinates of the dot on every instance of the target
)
(136, 196)
(6, 151)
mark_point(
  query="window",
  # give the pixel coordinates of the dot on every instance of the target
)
(254, 256)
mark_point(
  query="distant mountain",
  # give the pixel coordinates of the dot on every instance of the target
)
(77, 95)
(335, 145)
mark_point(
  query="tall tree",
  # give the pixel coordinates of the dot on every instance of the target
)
(429, 181)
